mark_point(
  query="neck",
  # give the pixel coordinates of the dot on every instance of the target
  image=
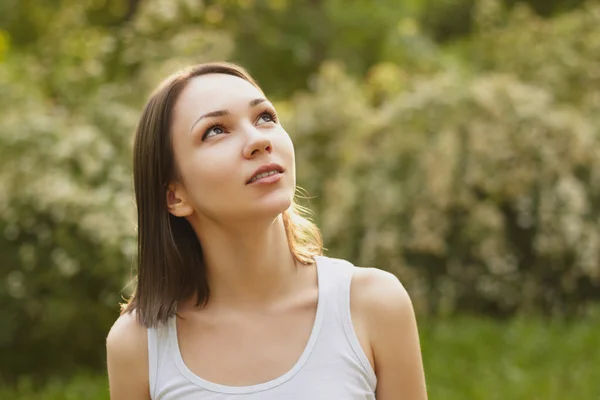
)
(247, 265)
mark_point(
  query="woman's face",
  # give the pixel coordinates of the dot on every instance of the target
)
(223, 130)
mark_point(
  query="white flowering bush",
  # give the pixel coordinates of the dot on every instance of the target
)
(479, 190)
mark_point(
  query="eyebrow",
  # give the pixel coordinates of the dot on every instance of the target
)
(220, 113)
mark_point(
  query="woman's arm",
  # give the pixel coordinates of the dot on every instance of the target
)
(127, 360)
(386, 312)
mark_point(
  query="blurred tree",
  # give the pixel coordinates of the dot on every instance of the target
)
(292, 38)
(285, 42)
(481, 191)
(481, 194)
(448, 20)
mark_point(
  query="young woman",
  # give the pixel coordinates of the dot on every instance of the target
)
(234, 298)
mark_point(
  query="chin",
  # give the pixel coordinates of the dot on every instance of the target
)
(278, 205)
(272, 206)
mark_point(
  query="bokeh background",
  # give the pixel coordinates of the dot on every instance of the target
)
(455, 143)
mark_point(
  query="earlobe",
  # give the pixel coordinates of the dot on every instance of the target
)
(176, 203)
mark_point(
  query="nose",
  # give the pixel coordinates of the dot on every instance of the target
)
(258, 142)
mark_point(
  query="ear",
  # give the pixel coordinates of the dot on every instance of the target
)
(177, 203)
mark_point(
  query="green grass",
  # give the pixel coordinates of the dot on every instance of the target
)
(80, 387)
(469, 358)
(465, 358)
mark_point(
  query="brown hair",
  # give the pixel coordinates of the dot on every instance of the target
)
(170, 265)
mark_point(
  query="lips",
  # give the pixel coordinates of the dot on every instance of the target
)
(266, 168)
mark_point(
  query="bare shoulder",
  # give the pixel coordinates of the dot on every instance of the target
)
(127, 359)
(379, 293)
(127, 337)
(385, 310)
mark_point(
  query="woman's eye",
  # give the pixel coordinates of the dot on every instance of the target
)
(266, 117)
(213, 131)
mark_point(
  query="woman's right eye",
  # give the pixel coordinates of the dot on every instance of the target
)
(213, 131)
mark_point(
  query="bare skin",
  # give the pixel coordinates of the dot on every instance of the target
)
(262, 305)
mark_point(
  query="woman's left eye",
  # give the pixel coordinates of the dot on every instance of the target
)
(266, 117)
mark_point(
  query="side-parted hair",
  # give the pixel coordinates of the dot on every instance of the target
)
(170, 265)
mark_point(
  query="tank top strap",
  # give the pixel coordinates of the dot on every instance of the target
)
(158, 341)
(331, 274)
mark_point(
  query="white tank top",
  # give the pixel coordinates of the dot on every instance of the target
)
(332, 365)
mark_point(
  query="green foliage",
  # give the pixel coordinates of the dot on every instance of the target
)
(450, 20)
(560, 56)
(297, 37)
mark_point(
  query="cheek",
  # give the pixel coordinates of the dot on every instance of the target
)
(287, 147)
(283, 142)
(284, 153)
(211, 178)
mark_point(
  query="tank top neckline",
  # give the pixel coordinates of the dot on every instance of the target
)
(226, 389)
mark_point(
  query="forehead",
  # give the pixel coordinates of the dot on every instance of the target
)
(213, 92)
